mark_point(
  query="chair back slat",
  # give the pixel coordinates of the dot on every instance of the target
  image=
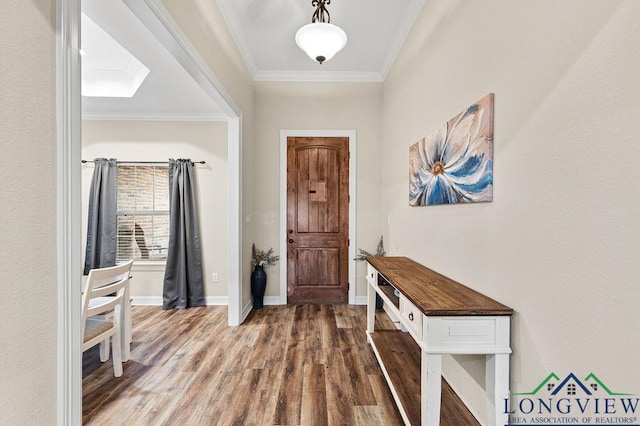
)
(102, 282)
(105, 307)
(108, 288)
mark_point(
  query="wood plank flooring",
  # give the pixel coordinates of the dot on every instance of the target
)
(286, 365)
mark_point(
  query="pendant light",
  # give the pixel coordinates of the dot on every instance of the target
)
(320, 39)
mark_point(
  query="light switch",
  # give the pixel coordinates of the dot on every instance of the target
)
(214, 277)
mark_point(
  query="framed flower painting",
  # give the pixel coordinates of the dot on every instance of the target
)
(454, 163)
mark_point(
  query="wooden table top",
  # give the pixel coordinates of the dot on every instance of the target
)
(433, 293)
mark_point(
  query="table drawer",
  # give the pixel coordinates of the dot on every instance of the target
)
(411, 317)
(468, 334)
(372, 274)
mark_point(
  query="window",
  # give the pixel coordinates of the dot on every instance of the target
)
(571, 389)
(142, 212)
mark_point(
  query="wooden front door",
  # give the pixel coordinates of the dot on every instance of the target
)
(317, 219)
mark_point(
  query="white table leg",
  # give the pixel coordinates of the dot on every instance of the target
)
(497, 384)
(371, 308)
(431, 388)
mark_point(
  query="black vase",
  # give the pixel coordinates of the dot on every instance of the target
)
(258, 286)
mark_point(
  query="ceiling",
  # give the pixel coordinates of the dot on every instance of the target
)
(167, 93)
(264, 32)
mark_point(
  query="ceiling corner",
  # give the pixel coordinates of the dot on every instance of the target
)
(401, 35)
(235, 29)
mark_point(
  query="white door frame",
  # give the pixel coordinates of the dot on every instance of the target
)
(351, 134)
(69, 197)
(157, 19)
(69, 234)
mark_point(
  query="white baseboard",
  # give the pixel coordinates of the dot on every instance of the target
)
(146, 301)
(217, 300)
(361, 300)
(157, 300)
(246, 310)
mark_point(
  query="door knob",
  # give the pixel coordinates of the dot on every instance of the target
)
(291, 241)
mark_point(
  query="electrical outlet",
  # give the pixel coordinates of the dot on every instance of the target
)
(214, 277)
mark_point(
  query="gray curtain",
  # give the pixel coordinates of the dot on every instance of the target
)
(183, 283)
(101, 224)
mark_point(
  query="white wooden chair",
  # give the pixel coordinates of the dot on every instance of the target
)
(102, 312)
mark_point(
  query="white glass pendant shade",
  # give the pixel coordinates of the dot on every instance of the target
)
(321, 40)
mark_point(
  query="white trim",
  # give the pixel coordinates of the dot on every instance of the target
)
(413, 10)
(271, 300)
(326, 76)
(69, 200)
(146, 300)
(246, 310)
(361, 300)
(234, 243)
(351, 134)
(216, 300)
(147, 266)
(157, 19)
(157, 301)
(123, 116)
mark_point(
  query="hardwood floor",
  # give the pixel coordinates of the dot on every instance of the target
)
(286, 365)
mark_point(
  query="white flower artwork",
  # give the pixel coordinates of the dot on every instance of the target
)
(454, 164)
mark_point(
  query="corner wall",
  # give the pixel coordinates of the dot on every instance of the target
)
(159, 141)
(560, 242)
(28, 253)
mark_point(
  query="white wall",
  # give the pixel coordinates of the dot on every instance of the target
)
(159, 141)
(315, 106)
(560, 242)
(28, 265)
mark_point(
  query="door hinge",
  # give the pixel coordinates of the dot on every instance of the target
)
(348, 286)
(349, 242)
(348, 198)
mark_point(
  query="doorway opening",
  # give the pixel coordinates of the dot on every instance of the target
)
(157, 19)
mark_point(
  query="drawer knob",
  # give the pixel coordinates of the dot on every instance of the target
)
(410, 316)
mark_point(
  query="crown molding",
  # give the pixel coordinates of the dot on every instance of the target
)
(321, 76)
(121, 116)
(401, 35)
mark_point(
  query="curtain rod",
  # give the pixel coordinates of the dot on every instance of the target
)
(144, 162)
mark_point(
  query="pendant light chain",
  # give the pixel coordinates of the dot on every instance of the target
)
(321, 14)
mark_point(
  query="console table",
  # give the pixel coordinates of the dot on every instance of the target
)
(440, 316)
